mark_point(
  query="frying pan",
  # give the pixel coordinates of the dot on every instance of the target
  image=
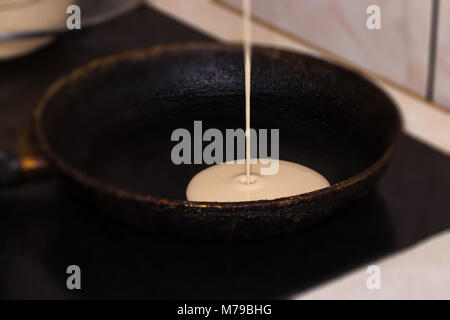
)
(106, 128)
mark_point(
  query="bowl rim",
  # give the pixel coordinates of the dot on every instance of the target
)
(84, 179)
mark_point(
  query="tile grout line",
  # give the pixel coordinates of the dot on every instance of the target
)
(432, 55)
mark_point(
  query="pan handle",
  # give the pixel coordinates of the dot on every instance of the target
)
(27, 164)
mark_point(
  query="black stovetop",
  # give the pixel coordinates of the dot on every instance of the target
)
(43, 229)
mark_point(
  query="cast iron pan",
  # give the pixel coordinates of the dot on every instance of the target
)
(107, 127)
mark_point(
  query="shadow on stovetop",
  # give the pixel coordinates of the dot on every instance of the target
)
(119, 262)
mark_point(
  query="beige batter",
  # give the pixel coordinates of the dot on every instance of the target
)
(233, 182)
(226, 182)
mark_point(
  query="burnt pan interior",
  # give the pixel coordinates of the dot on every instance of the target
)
(112, 120)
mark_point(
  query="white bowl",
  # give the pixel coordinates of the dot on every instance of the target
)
(25, 16)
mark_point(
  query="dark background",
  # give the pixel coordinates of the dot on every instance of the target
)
(43, 229)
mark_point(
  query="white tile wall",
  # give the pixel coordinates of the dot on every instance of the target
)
(398, 52)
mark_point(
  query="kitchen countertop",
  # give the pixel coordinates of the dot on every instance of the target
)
(420, 272)
(43, 229)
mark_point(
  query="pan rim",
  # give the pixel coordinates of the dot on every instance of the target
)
(86, 180)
